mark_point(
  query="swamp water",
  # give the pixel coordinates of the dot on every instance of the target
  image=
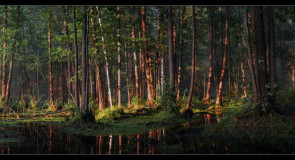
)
(41, 138)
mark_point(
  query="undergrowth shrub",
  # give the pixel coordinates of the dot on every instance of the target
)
(109, 113)
(33, 103)
(57, 105)
(137, 103)
(167, 101)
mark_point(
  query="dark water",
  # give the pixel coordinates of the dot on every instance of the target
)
(37, 138)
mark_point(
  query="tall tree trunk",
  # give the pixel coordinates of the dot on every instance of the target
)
(77, 99)
(106, 59)
(135, 61)
(242, 62)
(84, 102)
(119, 58)
(219, 94)
(4, 65)
(171, 49)
(211, 30)
(69, 72)
(127, 78)
(148, 71)
(142, 66)
(161, 16)
(260, 52)
(99, 85)
(193, 62)
(174, 47)
(50, 61)
(7, 96)
(182, 13)
(250, 56)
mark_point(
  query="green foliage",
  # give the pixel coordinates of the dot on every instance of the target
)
(92, 104)
(137, 103)
(167, 101)
(33, 103)
(57, 105)
(109, 113)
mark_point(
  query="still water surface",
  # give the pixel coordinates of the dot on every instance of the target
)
(38, 138)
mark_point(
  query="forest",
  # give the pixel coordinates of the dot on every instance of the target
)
(147, 79)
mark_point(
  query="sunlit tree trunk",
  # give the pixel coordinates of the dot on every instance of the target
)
(242, 62)
(50, 61)
(4, 65)
(193, 62)
(99, 85)
(147, 58)
(211, 30)
(106, 59)
(219, 94)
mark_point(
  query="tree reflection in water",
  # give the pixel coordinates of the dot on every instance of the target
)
(38, 138)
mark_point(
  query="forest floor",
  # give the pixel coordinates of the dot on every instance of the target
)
(233, 120)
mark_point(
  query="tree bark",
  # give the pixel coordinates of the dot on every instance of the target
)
(7, 96)
(161, 16)
(211, 30)
(250, 56)
(4, 65)
(84, 102)
(106, 59)
(99, 85)
(193, 62)
(50, 61)
(219, 94)
(182, 13)
(69, 71)
(77, 100)
(171, 50)
(119, 58)
(148, 71)
(242, 62)
(135, 61)
(260, 51)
